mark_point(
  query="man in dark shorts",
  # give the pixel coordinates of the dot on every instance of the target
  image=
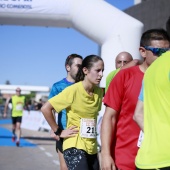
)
(18, 103)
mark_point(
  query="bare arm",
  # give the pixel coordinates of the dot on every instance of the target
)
(132, 63)
(138, 115)
(47, 111)
(107, 132)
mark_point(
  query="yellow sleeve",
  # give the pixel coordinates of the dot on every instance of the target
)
(62, 100)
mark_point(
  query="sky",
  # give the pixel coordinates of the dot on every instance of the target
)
(36, 55)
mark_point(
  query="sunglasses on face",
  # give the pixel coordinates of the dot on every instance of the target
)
(157, 51)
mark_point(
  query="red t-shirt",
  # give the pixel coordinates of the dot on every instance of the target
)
(122, 96)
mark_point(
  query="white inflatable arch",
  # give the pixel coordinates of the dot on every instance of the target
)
(109, 27)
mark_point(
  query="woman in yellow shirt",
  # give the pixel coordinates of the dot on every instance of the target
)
(82, 102)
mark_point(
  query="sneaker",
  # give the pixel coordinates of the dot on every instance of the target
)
(13, 138)
(17, 143)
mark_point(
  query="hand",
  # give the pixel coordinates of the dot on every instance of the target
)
(107, 162)
(70, 132)
(53, 135)
(132, 63)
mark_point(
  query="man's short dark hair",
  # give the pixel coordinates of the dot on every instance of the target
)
(70, 58)
(153, 34)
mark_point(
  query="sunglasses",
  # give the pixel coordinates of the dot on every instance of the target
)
(157, 51)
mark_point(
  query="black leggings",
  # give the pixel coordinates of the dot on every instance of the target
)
(77, 159)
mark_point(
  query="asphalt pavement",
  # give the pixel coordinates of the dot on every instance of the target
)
(36, 150)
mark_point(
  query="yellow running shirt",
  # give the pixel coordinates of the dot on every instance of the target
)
(79, 104)
(17, 105)
(154, 151)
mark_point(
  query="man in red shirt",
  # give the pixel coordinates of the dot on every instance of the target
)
(119, 133)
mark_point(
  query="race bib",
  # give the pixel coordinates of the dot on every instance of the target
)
(140, 139)
(19, 107)
(88, 128)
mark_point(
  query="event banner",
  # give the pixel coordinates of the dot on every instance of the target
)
(35, 6)
(34, 120)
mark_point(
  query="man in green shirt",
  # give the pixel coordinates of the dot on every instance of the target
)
(18, 103)
(121, 59)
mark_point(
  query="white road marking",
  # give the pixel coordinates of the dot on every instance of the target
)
(56, 162)
(48, 154)
(42, 148)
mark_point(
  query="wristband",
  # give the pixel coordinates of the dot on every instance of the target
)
(58, 131)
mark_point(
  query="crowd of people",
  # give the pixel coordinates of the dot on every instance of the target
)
(119, 130)
(136, 121)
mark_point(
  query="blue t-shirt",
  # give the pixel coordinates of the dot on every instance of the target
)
(56, 89)
(141, 93)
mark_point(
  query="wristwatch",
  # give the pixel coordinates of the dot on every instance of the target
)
(58, 131)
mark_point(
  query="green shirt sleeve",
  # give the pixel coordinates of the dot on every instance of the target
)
(110, 77)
